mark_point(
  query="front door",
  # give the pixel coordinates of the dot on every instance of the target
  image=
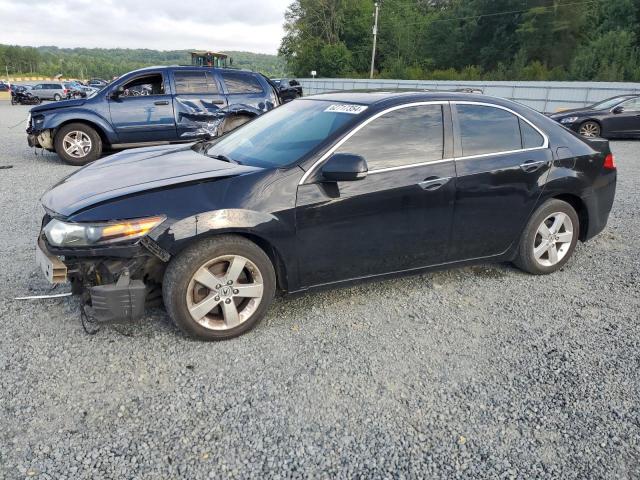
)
(502, 163)
(398, 217)
(625, 123)
(143, 112)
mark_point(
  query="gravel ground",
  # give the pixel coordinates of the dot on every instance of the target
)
(473, 372)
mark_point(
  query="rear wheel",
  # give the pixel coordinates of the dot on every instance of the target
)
(57, 97)
(549, 239)
(78, 144)
(219, 288)
(589, 129)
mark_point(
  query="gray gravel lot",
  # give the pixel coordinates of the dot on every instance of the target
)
(474, 372)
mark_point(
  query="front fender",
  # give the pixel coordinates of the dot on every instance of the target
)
(54, 119)
(267, 230)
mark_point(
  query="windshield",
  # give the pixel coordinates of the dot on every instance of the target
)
(286, 134)
(608, 103)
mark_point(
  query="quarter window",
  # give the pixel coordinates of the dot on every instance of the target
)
(487, 130)
(530, 136)
(401, 137)
(194, 82)
(238, 82)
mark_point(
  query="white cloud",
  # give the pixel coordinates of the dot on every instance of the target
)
(253, 25)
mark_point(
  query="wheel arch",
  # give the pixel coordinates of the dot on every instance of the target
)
(98, 128)
(265, 244)
(581, 209)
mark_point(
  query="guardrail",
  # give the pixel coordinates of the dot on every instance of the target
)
(543, 96)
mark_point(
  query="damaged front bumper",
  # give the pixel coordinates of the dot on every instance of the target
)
(113, 281)
(42, 139)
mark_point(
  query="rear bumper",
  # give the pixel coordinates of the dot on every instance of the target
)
(599, 202)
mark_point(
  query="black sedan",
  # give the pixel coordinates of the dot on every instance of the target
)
(324, 190)
(289, 88)
(616, 117)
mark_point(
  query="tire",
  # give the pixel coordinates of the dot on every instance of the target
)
(37, 100)
(57, 97)
(182, 292)
(537, 245)
(590, 129)
(91, 142)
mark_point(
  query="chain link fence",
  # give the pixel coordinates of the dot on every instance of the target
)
(543, 96)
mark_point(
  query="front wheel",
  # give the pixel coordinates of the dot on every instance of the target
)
(219, 288)
(589, 129)
(78, 144)
(549, 238)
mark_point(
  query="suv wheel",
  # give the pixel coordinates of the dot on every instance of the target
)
(219, 288)
(549, 238)
(78, 144)
(57, 97)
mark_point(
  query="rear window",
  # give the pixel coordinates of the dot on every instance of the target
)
(195, 82)
(238, 82)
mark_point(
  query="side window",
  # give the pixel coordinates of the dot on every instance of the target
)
(238, 82)
(401, 137)
(632, 105)
(194, 82)
(487, 130)
(150, 84)
(530, 136)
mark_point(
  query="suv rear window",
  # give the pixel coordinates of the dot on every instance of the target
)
(238, 82)
(194, 82)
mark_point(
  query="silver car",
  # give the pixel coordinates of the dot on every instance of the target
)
(50, 91)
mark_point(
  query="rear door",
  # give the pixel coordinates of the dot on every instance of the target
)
(197, 102)
(141, 118)
(502, 162)
(245, 88)
(627, 122)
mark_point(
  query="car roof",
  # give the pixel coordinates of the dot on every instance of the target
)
(380, 97)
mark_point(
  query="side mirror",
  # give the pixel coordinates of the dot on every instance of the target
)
(116, 92)
(344, 167)
(618, 110)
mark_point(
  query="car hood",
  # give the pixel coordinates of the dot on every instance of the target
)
(134, 171)
(576, 112)
(61, 104)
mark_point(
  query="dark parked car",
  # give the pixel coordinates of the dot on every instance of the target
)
(290, 88)
(616, 117)
(156, 105)
(324, 190)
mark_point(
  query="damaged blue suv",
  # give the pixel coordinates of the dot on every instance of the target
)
(151, 106)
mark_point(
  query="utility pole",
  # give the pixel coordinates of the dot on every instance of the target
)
(375, 37)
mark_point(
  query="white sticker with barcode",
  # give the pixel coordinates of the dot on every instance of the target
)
(346, 108)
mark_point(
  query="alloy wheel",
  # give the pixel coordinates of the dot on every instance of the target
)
(553, 239)
(225, 292)
(77, 144)
(590, 129)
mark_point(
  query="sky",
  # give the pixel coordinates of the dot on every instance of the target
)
(249, 25)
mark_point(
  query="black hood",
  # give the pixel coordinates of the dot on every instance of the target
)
(576, 112)
(61, 104)
(134, 171)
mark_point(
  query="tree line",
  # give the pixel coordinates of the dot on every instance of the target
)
(107, 63)
(466, 39)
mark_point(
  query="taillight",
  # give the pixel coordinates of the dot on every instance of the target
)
(609, 162)
(65, 91)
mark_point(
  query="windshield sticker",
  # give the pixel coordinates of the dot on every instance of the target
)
(346, 108)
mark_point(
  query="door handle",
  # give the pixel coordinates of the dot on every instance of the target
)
(434, 183)
(161, 102)
(530, 166)
(218, 102)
